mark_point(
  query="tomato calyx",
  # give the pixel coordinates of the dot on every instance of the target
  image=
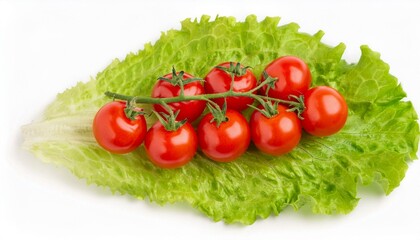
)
(131, 111)
(234, 69)
(219, 114)
(177, 79)
(269, 81)
(298, 105)
(169, 121)
(269, 109)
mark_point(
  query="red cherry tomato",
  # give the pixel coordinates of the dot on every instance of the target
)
(325, 113)
(170, 149)
(115, 132)
(276, 135)
(294, 77)
(218, 81)
(226, 142)
(190, 110)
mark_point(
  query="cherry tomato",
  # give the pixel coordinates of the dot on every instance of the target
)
(190, 110)
(325, 113)
(226, 142)
(276, 135)
(218, 81)
(115, 132)
(170, 149)
(294, 77)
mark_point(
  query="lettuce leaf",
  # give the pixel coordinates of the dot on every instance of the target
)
(380, 136)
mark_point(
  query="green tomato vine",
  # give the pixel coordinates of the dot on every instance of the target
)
(269, 103)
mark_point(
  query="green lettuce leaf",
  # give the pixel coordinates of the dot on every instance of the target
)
(380, 136)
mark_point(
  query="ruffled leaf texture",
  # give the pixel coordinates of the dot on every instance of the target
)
(379, 139)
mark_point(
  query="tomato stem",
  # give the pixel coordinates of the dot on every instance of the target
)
(203, 97)
(296, 105)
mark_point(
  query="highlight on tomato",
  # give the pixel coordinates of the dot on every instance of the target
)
(115, 131)
(224, 140)
(293, 78)
(168, 148)
(325, 111)
(170, 86)
(276, 132)
(219, 80)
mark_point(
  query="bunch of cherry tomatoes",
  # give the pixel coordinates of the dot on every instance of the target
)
(224, 134)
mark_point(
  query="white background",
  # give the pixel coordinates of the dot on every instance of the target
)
(47, 46)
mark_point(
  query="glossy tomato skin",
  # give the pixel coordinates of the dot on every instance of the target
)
(115, 132)
(277, 135)
(294, 77)
(218, 81)
(170, 149)
(226, 142)
(190, 110)
(325, 113)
